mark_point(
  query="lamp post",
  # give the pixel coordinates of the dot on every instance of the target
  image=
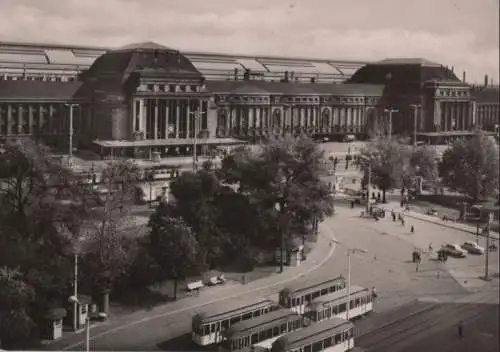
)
(350, 251)
(70, 132)
(487, 249)
(90, 316)
(390, 112)
(280, 208)
(196, 116)
(415, 124)
(368, 186)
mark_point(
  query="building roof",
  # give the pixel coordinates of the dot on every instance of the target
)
(486, 94)
(38, 90)
(400, 73)
(258, 87)
(143, 57)
(46, 56)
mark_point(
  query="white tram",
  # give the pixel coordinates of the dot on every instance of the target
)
(260, 333)
(298, 296)
(335, 304)
(208, 326)
(333, 335)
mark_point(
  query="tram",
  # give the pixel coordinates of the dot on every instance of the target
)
(297, 296)
(208, 326)
(334, 305)
(333, 335)
(261, 332)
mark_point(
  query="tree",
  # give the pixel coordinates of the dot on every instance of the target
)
(173, 245)
(285, 171)
(423, 163)
(106, 247)
(471, 166)
(17, 328)
(385, 159)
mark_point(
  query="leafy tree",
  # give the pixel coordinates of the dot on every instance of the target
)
(471, 166)
(106, 249)
(385, 159)
(285, 171)
(423, 163)
(173, 244)
(17, 329)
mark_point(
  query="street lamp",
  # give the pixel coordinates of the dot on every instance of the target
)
(350, 251)
(390, 112)
(70, 132)
(487, 249)
(91, 316)
(196, 116)
(368, 186)
(280, 208)
(415, 119)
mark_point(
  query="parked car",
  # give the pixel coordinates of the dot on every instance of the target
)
(473, 247)
(455, 250)
(432, 212)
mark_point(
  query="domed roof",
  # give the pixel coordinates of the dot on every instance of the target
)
(400, 70)
(146, 58)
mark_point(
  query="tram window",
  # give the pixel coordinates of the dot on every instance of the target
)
(283, 328)
(332, 289)
(266, 310)
(338, 338)
(246, 342)
(218, 326)
(345, 336)
(328, 312)
(315, 295)
(317, 346)
(262, 335)
(256, 313)
(307, 348)
(351, 304)
(212, 328)
(255, 338)
(324, 291)
(276, 331)
(235, 320)
(308, 298)
(327, 342)
(335, 310)
(296, 324)
(225, 324)
(206, 329)
(247, 316)
(294, 303)
(357, 302)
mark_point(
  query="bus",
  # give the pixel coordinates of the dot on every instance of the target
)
(298, 296)
(333, 335)
(208, 326)
(261, 332)
(334, 305)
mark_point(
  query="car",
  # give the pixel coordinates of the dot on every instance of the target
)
(432, 212)
(472, 247)
(454, 250)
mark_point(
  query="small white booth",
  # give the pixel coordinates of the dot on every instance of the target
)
(53, 328)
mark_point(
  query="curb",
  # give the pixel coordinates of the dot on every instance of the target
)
(493, 235)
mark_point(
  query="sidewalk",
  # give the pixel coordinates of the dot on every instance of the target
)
(435, 220)
(321, 252)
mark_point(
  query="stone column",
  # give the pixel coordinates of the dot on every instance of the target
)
(141, 116)
(30, 119)
(134, 115)
(155, 123)
(251, 122)
(177, 118)
(167, 112)
(20, 110)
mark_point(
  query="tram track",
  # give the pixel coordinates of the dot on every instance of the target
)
(405, 330)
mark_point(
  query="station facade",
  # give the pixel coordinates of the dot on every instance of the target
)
(148, 99)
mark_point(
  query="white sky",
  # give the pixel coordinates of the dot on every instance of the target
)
(459, 33)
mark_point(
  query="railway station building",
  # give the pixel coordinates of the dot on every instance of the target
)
(147, 99)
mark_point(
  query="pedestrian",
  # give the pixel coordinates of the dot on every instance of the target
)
(412, 229)
(430, 247)
(460, 330)
(402, 221)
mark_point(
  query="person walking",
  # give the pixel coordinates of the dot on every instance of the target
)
(412, 229)
(460, 330)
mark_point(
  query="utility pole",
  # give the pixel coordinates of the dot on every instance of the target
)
(487, 249)
(368, 189)
(70, 132)
(75, 292)
(390, 112)
(415, 124)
